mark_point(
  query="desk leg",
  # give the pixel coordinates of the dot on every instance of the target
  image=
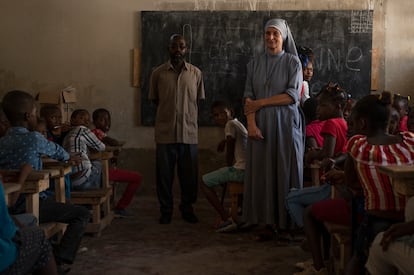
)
(32, 204)
(60, 189)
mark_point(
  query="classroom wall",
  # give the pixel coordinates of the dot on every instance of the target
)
(49, 44)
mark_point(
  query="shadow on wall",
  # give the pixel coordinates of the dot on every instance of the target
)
(143, 161)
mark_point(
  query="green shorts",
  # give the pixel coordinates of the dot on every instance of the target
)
(223, 175)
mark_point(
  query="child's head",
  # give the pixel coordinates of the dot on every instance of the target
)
(102, 119)
(52, 116)
(20, 109)
(371, 114)
(306, 58)
(394, 124)
(309, 109)
(350, 103)
(332, 101)
(41, 127)
(80, 117)
(400, 103)
(222, 112)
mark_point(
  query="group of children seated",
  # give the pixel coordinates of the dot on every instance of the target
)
(25, 140)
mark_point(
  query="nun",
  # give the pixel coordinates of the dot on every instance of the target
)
(275, 127)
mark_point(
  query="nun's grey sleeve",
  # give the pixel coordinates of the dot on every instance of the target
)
(295, 79)
(248, 88)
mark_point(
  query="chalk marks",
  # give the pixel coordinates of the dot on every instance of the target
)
(361, 21)
(332, 59)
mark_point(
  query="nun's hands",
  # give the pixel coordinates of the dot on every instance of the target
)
(254, 133)
(251, 106)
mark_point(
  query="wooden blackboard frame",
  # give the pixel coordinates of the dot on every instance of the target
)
(221, 43)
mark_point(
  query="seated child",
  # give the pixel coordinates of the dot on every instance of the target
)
(410, 120)
(400, 103)
(78, 142)
(370, 148)
(306, 59)
(394, 124)
(41, 127)
(20, 145)
(392, 250)
(332, 100)
(235, 141)
(23, 250)
(56, 130)
(102, 121)
(314, 139)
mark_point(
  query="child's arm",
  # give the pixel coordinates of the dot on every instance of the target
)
(311, 142)
(92, 141)
(327, 150)
(231, 144)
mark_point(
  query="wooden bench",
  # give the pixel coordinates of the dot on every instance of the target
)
(98, 199)
(341, 236)
(236, 190)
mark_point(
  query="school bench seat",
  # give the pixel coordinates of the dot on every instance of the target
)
(98, 199)
(341, 236)
(236, 195)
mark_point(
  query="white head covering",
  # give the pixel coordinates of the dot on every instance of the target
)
(288, 41)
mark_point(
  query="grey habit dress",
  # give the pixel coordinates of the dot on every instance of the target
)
(274, 164)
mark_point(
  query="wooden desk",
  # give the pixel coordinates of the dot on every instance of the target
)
(402, 178)
(105, 156)
(58, 171)
(35, 183)
(9, 189)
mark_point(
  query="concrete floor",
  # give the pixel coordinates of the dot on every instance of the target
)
(139, 245)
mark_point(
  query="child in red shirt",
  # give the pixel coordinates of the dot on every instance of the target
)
(102, 121)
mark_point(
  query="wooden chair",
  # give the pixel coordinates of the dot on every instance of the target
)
(341, 236)
(236, 195)
(98, 199)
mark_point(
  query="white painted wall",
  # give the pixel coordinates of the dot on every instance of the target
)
(48, 44)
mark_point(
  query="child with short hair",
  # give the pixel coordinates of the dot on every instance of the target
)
(102, 121)
(306, 59)
(23, 145)
(78, 142)
(235, 143)
(400, 103)
(56, 130)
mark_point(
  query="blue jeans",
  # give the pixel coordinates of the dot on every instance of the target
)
(94, 181)
(298, 199)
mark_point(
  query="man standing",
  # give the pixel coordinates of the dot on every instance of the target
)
(175, 87)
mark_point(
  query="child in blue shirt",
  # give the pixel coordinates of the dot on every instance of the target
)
(22, 145)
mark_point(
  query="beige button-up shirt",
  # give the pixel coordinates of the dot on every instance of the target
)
(177, 94)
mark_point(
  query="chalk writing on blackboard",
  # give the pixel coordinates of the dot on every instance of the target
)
(361, 21)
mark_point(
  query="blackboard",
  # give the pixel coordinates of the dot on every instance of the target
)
(221, 43)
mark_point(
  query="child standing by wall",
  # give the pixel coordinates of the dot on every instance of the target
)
(102, 121)
(235, 143)
(86, 175)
